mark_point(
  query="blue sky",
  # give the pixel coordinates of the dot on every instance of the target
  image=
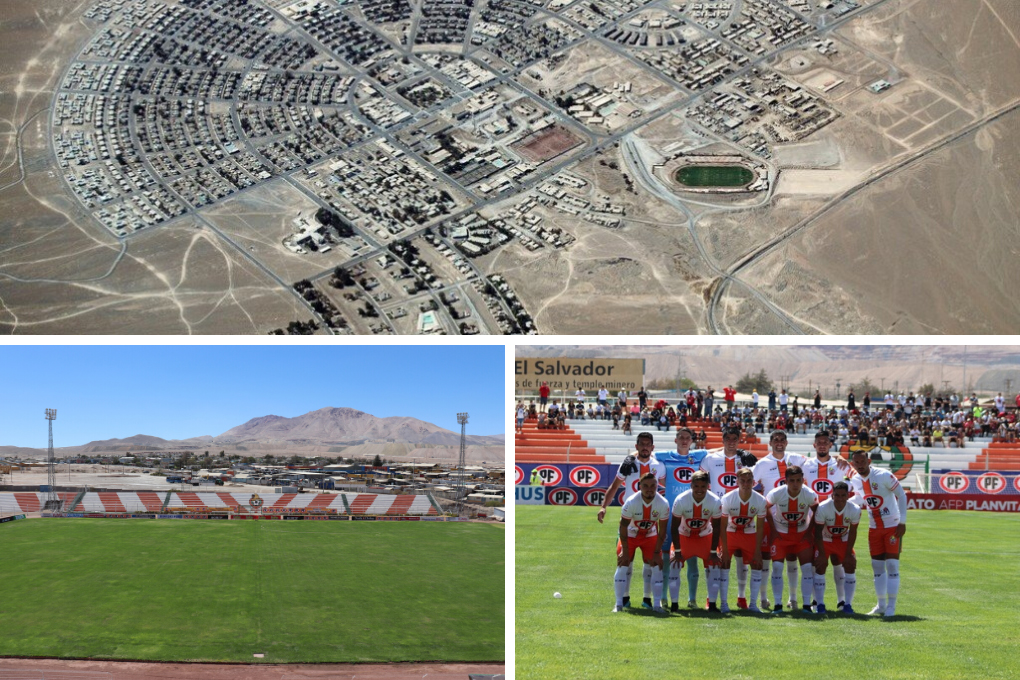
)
(176, 392)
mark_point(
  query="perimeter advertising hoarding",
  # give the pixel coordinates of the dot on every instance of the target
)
(979, 502)
(566, 373)
(975, 482)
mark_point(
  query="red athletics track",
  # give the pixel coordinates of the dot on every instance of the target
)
(42, 669)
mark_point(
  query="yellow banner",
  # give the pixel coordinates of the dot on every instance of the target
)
(565, 373)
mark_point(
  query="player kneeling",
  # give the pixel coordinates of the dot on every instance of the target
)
(696, 519)
(642, 525)
(743, 511)
(836, 523)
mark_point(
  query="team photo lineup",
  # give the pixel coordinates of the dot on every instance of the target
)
(730, 509)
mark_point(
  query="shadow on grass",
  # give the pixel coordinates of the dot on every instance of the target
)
(705, 614)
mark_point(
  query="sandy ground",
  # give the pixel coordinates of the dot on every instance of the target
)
(52, 669)
(814, 182)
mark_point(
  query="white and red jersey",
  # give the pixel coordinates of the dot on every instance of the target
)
(770, 472)
(879, 494)
(644, 517)
(696, 518)
(820, 477)
(837, 524)
(791, 515)
(740, 515)
(722, 472)
(631, 471)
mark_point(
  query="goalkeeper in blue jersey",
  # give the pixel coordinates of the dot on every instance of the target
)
(680, 466)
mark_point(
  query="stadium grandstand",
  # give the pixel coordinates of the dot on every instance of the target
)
(179, 502)
(915, 441)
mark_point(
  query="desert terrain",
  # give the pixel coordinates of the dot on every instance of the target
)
(887, 133)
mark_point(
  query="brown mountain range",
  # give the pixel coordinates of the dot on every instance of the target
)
(340, 431)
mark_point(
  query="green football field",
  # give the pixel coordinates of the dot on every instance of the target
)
(958, 613)
(176, 590)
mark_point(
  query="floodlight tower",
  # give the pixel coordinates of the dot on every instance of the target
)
(51, 465)
(462, 418)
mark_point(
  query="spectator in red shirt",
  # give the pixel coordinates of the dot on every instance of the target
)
(543, 395)
(729, 396)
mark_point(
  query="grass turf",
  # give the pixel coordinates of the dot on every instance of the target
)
(714, 175)
(957, 616)
(222, 591)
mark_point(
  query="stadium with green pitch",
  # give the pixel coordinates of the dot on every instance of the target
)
(714, 176)
(957, 617)
(179, 590)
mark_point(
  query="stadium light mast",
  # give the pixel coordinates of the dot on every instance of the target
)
(462, 418)
(51, 466)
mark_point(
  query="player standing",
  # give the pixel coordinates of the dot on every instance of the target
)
(690, 462)
(790, 508)
(642, 525)
(770, 473)
(743, 511)
(836, 523)
(722, 472)
(695, 529)
(879, 493)
(820, 475)
(629, 474)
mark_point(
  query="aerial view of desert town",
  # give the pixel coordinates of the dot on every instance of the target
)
(509, 166)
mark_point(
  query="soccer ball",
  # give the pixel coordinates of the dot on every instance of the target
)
(557, 595)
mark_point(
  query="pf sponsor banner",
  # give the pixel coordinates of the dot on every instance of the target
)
(565, 373)
(565, 495)
(363, 518)
(975, 482)
(566, 475)
(977, 502)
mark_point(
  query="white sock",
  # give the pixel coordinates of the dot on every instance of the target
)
(713, 583)
(741, 578)
(646, 575)
(630, 573)
(807, 582)
(777, 583)
(764, 575)
(878, 566)
(674, 584)
(620, 585)
(724, 584)
(666, 568)
(755, 586)
(820, 588)
(656, 586)
(839, 576)
(892, 572)
(851, 586)
(791, 575)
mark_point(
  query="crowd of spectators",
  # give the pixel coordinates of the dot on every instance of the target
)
(920, 420)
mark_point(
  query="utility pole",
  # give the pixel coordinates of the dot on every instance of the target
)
(965, 389)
